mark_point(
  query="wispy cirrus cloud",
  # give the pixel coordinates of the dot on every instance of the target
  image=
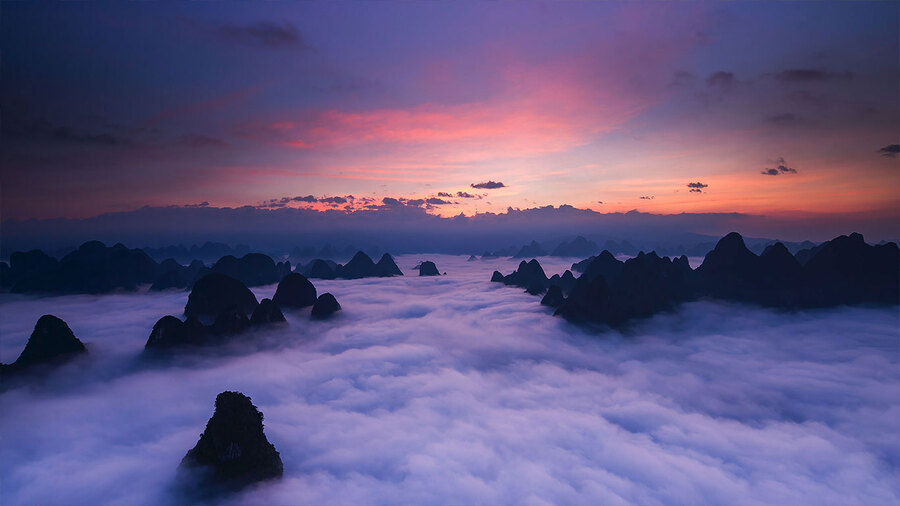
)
(890, 151)
(267, 34)
(802, 76)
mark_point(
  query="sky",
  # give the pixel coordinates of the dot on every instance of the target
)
(469, 392)
(786, 109)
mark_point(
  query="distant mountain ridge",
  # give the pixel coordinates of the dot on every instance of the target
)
(845, 270)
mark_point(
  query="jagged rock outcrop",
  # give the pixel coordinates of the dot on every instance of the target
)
(253, 269)
(233, 450)
(846, 270)
(295, 291)
(496, 277)
(170, 332)
(604, 264)
(579, 247)
(386, 267)
(530, 275)
(730, 271)
(554, 297)
(427, 268)
(645, 285)
(51, 341)
(565, 282)
(325, 306)
(267, 312)
(534, 249)
(214, 293)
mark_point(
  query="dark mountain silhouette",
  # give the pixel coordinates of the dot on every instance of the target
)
(386, 267)
(554, 297)
(427, 268)
(844, 270)
(233, 450)
(579, 247)
(253, 269)
(530, 275)
(645, 285)
(92, 268)
(472, 258)
(266, 312)
(170, 332)
(565, 282)
(534, 249)
(209, 251)
(51, 341)
(320, 269)
(294, 290)
(360, 266)
(174, 275)
(214, 293)
(282, 269)
(604, 264)
(325, 306)
(24, 265)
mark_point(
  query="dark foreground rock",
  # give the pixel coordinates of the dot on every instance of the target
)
(214, 293)
(427, 268)
(294, 290)
(51, 341)
(233, 450)
(325, 306)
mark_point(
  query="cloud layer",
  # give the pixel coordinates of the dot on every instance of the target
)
(455, 390)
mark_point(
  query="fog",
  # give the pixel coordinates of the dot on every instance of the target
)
(454, 390)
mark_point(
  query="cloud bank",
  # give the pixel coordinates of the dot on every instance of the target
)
(454, 390)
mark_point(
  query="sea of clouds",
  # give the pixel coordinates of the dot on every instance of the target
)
(454, 390)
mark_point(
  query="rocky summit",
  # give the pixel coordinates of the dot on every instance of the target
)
(214, 293)
(51, 341)
(233, 450)
(427, 268)
(295, 290)
(325, 306)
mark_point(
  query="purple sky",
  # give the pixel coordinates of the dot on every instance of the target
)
(782, 109)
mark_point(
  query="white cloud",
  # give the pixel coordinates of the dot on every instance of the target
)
(456, 390)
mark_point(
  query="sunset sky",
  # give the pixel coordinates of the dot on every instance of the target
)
(763, 108)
